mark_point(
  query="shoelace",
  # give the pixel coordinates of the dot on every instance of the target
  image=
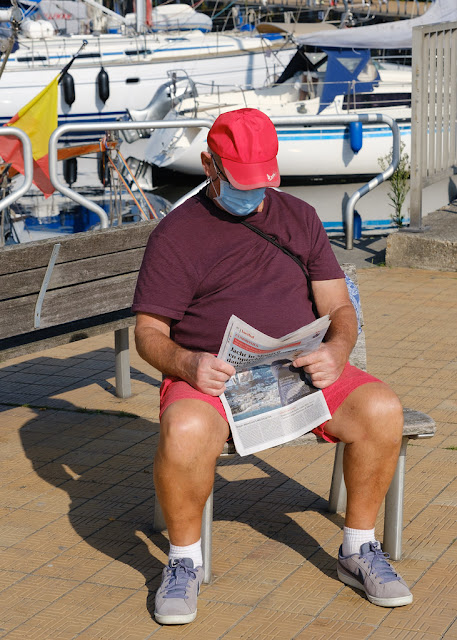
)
(380, 566)
(179, 576)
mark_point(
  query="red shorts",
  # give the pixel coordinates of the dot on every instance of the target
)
(174, 389)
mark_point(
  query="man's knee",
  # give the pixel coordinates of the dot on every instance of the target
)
(189, 426)
(372, 411)
(383, 413)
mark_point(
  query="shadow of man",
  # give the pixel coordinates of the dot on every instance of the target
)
(104, 463)
(276, 505)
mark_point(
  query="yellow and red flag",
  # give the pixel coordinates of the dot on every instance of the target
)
(37, 119)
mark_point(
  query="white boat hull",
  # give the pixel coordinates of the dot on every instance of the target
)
(133, 79)
(311, 151)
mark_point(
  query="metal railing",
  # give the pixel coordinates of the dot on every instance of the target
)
(114, 126)
(192, 122)
(28, 165)
(374, 182)
(433, 111)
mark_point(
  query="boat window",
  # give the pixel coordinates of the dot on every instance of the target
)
(89, 55)
(350, 63)
(376, 100)
(31, 58)
(316, 57)
(368, 73)
(138, 52)
(177, 39)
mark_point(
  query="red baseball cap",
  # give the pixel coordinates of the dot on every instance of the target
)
(247, 144)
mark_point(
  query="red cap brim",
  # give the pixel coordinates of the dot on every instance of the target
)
(252, 176)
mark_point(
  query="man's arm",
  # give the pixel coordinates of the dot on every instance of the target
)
(327, 363)
(202, 370)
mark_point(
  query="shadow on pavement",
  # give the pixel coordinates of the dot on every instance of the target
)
(104, 463)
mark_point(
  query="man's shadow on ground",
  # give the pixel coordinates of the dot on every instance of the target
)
(104, 463)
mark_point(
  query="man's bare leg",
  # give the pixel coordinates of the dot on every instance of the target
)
(192, 435)
(370, 422)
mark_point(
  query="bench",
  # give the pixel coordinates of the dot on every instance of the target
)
(64, 289)
(416, 425)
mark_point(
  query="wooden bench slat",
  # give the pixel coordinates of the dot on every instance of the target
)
(33, 255)
(65, 305)
(41, 339)
(16, 285)
(416, 423)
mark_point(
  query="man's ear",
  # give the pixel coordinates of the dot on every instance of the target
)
(206, 163)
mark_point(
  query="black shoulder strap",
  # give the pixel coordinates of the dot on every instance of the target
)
(288, 253)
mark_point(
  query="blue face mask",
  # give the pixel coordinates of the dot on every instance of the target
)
(235, 201)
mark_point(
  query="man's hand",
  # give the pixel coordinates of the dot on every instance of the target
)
(207, 373)
(202, 370)
(325, 365)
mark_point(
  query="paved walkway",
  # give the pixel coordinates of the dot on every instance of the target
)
(78, 557)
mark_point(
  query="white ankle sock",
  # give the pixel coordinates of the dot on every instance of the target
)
(193, 551)
(354, 538)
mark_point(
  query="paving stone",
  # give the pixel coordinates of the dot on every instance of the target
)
(305, 591)
(422, 617)
(402, 634)
(268, 625)
(7, 578)
(130, 620)
(324, 629)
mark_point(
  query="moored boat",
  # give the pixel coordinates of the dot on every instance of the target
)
(333, 82)
(119, 71)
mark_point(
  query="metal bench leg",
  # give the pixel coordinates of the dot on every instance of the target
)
(338, 495)
(393, 514)
(207, 538)
(121, 349)
(159, 524)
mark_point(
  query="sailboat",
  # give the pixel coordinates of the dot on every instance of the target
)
(341, 78)
(120, 71)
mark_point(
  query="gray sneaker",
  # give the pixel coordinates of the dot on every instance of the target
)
(370, 571)
(176, 599)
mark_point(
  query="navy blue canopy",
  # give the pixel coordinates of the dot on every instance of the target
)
(347, 72)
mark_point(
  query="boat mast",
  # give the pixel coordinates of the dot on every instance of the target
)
(140, 6)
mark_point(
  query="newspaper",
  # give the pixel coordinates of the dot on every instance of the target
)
(268, 401)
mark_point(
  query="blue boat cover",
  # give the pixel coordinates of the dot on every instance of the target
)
(343, 75)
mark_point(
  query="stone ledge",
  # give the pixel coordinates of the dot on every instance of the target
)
(434, 249)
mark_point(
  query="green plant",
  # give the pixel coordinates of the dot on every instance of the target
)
(399, 183)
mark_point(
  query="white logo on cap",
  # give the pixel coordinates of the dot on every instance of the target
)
(270, 178)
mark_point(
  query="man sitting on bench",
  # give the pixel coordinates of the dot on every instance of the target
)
(201, 266)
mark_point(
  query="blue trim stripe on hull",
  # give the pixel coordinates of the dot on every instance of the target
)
(367, 225)
(336, 134)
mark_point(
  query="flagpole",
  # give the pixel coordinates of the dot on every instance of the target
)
(68, 65)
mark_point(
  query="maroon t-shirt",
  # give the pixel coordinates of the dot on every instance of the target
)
(201, 266)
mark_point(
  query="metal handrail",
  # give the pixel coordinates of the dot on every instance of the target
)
(28, 165)
(377, 180)
(193, 122)
(374, 182)
(114, 126)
